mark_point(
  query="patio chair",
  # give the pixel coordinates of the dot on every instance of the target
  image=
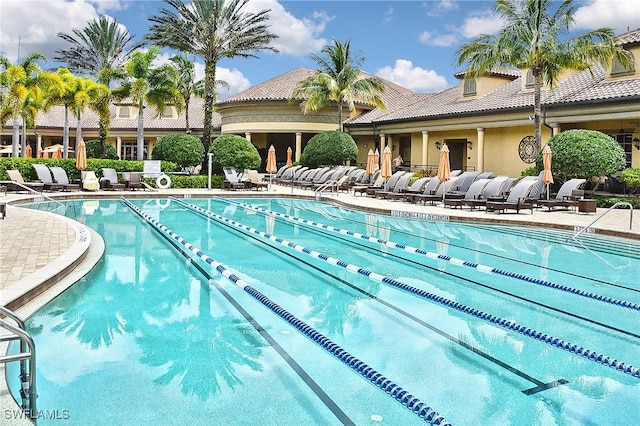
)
(90, 181)
(254, 180)
(389, 184)
(463, 183)
(492, 190)
(399, 188)
(472, 193)
(109, 180)
(415, 188)
(61, 178)
(565, 197)
(376, 181)
(232, 180)
(517, 199)
(429, 188)
(132, 180)
(20, 185)
(439, 194)
(44, 176)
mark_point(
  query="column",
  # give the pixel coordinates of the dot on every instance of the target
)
(480, 150)
(555, 129)
(119, 146)
(425, 147)
(247, 136)
(298, 146)
(381, 146)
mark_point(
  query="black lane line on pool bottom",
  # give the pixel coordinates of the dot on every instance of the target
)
(540, 385)
(315, 388)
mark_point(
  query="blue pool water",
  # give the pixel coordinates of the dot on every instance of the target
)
(156, 336)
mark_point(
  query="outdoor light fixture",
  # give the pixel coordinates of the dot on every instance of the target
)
(469, 145)
(636, 143)
(438, 145)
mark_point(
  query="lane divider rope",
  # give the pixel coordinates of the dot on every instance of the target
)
(408, 400)
(507, 324)
(437, 256)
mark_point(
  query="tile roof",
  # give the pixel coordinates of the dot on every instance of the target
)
(278, 88)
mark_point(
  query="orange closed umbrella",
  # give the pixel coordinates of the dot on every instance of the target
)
(547, 176)
(57, 153)
(385, 170)
(81, 156)
(376, 159)
(39, 149)
(28, 151)
(444, 168)
(271, 163)
(289, 154)
(371, 163)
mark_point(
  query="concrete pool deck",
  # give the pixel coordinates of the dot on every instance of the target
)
(42, 254)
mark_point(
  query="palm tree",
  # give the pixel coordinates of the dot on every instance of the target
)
(99, 50)
(187, 84)
(533, 37)
(23, 88)
(339, 80)
(154, 86)
(211, 30)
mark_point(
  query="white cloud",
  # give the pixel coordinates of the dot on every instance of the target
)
(296, 37)
(439, 8)
(418, 79)
(431, 38)
(481, 22)
(104, 5)
(34, 25)
(619, 15)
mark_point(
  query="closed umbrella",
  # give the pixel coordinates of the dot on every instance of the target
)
(289, 159)
(81, 156)
(385, 170)
(547, 176)
(28, 151)
(377, 159)
(57, 153)
(39, 149)
(371, 163)
(271, 163)
(444, 168)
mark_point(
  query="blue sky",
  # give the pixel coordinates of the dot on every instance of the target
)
(411, 43)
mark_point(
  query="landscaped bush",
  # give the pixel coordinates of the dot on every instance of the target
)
(182, 149)
(329, 149)
(631, 178)
(93, 148)
(236, 151)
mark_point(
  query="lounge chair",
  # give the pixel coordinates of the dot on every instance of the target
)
(232, 180)
(429, 188)
(20, 184)
(389, 184)
(132, 180)
(517, 199)
(415, 188)
(376, 182)
(566, 196)
(254, 180)
(492, 190)
(439, 194)
(90, 181)
(399, 188)
(109, 180)
(44, 176)
(473, 193)
(61, 178)
(463, 183)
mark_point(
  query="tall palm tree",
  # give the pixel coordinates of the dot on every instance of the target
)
(99, 50)
(211, 30)
(339, 80)
(187, 83)
(23, 88)
(534, 37)
(147, 85)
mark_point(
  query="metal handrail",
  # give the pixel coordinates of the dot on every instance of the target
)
(619, 203)
(27, 353)
(319, 190)
(38, 194)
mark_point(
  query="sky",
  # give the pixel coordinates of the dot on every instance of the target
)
(411, 43)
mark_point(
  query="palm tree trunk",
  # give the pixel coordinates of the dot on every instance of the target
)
(140, 140)
(102, 134)
(209, 101)
(78, 130)
(186, 115)
(23, 145)
(341, 128)
(65, 134)
(15, 139)
(537, 110)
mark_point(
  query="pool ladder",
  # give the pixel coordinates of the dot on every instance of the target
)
(613, 207)
(331, 185)
(26, 356)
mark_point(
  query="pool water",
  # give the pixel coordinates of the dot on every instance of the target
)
(156, 336)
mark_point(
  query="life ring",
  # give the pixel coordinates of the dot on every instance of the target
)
(163, 178)
(163, 204)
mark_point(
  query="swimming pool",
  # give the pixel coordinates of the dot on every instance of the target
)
(454, 315)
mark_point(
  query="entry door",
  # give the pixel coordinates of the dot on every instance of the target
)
(457, 151)
(129, 151)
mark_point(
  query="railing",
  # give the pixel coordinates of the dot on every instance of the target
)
(613, 207)
(26, 355)
(333, 184)
(40, 196)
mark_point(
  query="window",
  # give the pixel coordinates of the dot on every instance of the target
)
(530, 80)
(618, 70)
(124, 112)
(167, 113)
(469, 88)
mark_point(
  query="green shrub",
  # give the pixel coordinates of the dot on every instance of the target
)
(236, 151)
(93, 148)
(182, 149)
(329, 149)
(182, 181)
(631, 178)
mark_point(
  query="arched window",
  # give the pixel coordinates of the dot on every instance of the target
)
(617, 69)
(168, 112)
(124, 112)
(469, 88)
(530, 80)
